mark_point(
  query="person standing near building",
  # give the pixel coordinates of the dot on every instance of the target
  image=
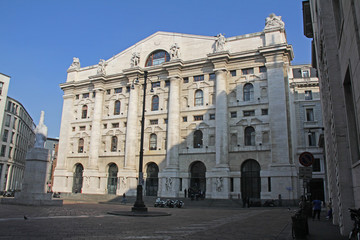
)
(316, 208)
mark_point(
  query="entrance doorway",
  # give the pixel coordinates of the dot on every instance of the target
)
(198, 179)
(152, 180)
(112, 179)
(78, 178)
(317, 189)
(250, 181)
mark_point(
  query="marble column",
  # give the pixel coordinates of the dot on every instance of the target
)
(96, 129)
(91, 173)
(222, 129)
(173, 132)
(132, 121)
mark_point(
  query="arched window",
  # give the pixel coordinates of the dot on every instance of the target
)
(157, 58)
(198, 139)
(248, 92)
(81, 145)
(114, 141)
(249, 136)
(153, 141)
(199, 98)
(155, 103)
(117, 107)
(84, 111)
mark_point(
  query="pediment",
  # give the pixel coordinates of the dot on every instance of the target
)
(255, 121)
(242, 122)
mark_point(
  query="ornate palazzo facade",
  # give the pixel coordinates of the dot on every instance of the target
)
(217, 118)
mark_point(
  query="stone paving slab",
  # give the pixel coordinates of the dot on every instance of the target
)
(91, 221)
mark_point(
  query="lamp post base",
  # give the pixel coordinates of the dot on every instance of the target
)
(139, 205)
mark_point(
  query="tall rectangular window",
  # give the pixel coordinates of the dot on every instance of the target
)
(7, 120)
(309, 114)
(5, 136)
(312, 139)
(1, 87)
(233, 73)
(308, 95)
(3, 150)
(305, 73)
(316, 165)
(269, 184)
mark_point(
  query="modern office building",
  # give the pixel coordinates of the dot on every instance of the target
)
(334, 27)
(217, 118)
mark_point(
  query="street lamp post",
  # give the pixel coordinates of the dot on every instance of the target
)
(139, 205)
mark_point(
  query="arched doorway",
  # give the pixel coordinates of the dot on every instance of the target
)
(152, 181)
(197, 177)
(112, 179)
(250, 181)
(78, 178)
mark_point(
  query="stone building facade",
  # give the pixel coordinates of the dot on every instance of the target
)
(334, 27)
(217, 118)
(307, 122)
(17, 136)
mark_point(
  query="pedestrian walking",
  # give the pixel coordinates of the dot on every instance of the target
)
(123, 200)
(185, 192)
(316, 208)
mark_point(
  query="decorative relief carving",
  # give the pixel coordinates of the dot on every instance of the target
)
(220, 43)
(273, 21)
(135, 59)
(168, 183)
(75, 64)
(101, 67)
(175, 51)
(219, 184)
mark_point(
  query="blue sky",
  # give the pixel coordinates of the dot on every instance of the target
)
(39, 38)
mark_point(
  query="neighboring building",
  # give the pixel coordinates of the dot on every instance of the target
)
(4, 87)
(51, 145)
(307, 114)
(334, 26)
(218, 119)
(17, 136)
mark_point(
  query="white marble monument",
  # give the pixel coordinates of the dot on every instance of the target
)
(34, 182)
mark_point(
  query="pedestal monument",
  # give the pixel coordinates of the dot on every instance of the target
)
(34, 183)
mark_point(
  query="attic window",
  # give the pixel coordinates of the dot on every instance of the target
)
(157, 58)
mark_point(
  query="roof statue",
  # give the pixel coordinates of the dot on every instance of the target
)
(135, 59)
(273, 21)
(75, 64)
(40, 132)
(101, 67)
(220, 43)
(175, 51)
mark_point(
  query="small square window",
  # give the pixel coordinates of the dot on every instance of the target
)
(105, 126)
(185, 79)
(77, 96)
(125, 124)
(165, 120)
(212, 116)
(153, 122)
(82, 128)
(167, 83)
(198, 118)
(108, 92)
(264, 111)
(115, 125)
(262, 69)
(233, 114)
(73, 129)
(128, 89)
(118, 90)
(249, 113)
(198, 78)
(184, 119)
(212, 76)
(247, 71)
(85, 95)
(155, 84)
(233, 73)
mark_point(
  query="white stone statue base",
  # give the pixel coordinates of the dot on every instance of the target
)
(34, 183)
